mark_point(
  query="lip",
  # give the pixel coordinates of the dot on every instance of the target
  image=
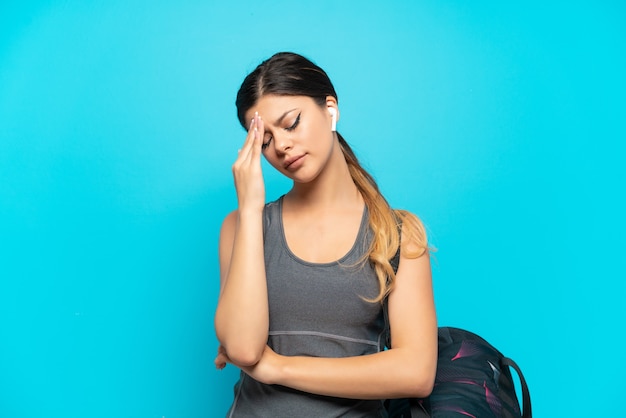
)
(292, 162)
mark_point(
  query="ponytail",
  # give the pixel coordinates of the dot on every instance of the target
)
(385, 224)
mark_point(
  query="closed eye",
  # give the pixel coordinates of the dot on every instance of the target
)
(288, 129)
(266, 143)
(295, 124)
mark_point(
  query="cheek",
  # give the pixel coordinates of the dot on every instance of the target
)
(270, 157)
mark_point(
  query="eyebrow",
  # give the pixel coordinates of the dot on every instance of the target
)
(280, 119)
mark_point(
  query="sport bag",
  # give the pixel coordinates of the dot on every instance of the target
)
(473, 380)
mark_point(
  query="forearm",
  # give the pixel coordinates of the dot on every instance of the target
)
(389, 374)
(242, 319)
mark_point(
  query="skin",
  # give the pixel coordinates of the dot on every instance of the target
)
(321, 216)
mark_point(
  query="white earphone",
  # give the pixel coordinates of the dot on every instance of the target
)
(333, 116)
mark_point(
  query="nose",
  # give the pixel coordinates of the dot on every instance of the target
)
(283, 143)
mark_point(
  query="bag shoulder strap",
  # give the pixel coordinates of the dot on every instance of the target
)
(526, 406)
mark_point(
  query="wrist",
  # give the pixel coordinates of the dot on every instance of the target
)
(249, 213)
(281, 368)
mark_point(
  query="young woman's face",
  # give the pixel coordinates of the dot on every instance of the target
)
(297, 138)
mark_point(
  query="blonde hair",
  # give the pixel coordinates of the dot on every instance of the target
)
(386, 224)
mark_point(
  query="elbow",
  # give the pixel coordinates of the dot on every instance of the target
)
(420, 384)
(244, 356)
(240, 351)
(422, 388)
(423, 372)
(419, 388)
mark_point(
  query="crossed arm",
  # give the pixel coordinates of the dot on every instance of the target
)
(241, 322)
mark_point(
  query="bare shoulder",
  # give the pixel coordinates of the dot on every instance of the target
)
(414, 240)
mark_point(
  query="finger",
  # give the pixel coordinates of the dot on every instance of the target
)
(243, 152)
(247, 145)
(222, 356)
(258, 142)
(252, 152)
(219, 363)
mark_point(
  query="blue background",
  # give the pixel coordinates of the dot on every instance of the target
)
(500, 125)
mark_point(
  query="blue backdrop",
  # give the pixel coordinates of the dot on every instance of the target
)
(500, 124)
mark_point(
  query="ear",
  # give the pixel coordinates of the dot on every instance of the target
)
(332, 102)
(333, 111)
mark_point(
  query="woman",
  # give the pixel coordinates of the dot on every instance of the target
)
(304, 278)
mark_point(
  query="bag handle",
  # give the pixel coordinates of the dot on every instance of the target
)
(526, 407)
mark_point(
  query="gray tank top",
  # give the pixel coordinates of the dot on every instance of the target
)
(315, 309)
